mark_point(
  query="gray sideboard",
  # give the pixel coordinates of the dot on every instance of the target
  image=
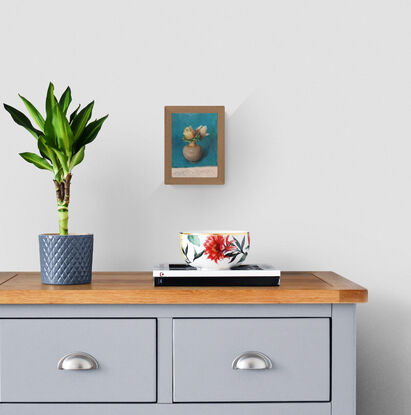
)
(152, 359)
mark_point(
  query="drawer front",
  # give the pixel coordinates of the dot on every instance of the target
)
(298, 350)
(125, 350)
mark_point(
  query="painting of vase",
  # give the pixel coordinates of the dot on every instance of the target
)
(195, 140)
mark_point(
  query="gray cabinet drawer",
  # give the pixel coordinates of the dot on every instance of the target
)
(204, 350)
(124, 348)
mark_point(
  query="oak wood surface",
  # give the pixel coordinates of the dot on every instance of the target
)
(137, 288)
(4, 276)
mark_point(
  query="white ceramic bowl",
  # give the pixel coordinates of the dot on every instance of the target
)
(214, 250)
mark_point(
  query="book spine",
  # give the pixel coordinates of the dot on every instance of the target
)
(216, 282)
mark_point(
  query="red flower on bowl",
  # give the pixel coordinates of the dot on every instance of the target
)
(217, 247)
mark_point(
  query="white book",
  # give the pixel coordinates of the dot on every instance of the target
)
(181, 270)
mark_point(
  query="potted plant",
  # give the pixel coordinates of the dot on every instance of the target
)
(61, 141)
(192, 151)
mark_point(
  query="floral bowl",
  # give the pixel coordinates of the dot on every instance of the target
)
(214, 250)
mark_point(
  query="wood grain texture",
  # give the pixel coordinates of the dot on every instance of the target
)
(350, 291)
(5, 276)
(137, 288)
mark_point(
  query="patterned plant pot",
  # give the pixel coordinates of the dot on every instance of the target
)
(66, 259)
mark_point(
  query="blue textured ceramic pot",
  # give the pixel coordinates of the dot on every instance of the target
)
(66, 259)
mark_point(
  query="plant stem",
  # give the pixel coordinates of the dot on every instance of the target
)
(63, 201)
(63, 219)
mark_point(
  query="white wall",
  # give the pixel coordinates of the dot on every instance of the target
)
(318, 101)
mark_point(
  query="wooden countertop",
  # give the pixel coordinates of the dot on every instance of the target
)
(137, 288)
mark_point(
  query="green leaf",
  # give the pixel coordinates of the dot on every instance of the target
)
(65, 100)
(20, 119)
(62, 160)
(38, 161)
(43, 148)
(37, 117)
(237, 243)
(77, 159)
(197, 254)
(90, 132)
(81, 120)
(73, 114)
(233, 258)
(50, 100)
(58, 175)
(242, 259)
(48, 153)
(62, 131)
(242, 243)
(49, 133)
(194, 239)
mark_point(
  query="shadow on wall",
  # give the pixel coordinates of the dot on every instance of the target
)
(251, 169)
(250, 143)
(144, 210)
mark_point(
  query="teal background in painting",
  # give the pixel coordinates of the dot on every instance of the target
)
(208, 144)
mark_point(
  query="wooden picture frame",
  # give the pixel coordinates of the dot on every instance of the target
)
(179, 170)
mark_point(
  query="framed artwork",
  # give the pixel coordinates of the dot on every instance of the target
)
(194, 145)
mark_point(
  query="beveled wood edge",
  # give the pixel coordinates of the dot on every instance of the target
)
(7, 276)
(350, 292)
(334, 279)
(162, 296)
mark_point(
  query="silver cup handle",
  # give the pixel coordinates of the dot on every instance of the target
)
(252, 361)
(77, 361)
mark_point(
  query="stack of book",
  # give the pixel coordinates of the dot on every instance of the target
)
(182, 275)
